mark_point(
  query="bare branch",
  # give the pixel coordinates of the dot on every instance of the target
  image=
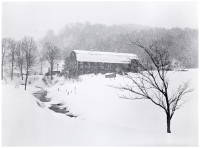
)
(151, 81)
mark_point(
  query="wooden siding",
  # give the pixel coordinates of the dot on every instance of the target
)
(78, 68)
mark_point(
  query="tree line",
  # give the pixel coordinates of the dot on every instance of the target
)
(182, 44)
(23, 56)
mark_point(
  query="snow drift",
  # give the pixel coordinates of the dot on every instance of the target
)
(103, 118)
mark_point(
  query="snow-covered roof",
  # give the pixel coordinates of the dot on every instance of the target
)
(104, 57)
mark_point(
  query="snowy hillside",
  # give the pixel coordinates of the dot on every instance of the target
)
(103, 119)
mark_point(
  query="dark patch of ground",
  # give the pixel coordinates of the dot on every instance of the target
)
(58, 108)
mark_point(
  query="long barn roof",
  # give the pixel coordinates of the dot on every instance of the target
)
(104, 57)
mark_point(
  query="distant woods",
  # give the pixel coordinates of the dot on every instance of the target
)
(182, 44)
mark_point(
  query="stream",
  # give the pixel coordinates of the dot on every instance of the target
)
(58, 108)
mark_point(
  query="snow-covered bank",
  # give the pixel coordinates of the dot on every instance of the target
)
(103, 118)
(95, 101)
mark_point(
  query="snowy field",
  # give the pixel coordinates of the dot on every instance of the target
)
(103, 119)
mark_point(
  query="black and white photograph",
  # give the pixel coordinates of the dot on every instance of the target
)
(99, 73)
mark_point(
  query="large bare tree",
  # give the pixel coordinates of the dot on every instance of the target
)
(20, 57)
(30, 53)
(4, 50)
(152, 82)
(50, 53)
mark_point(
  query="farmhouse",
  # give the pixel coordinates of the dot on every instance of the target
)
(86, 62)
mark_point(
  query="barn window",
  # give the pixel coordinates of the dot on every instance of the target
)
(81, 64)
(95, 65)
(109, 66)
(102, 65)
(87, 64)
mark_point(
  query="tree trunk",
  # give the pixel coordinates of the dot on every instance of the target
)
(5, 80)
(168, 124)
(52, 72)
(26, 80)
(41, 68)
(12, 72)
(12, 67)
(21, 73)
(2, 68)
(26, 77)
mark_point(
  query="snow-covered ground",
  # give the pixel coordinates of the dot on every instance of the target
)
(103, 119)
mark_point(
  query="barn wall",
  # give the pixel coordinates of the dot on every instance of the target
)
(79, 68)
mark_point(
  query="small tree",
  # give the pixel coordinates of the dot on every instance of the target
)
(50, 53)
(30, 53)
(151, 82)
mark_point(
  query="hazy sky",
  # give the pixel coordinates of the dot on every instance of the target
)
(21, 19)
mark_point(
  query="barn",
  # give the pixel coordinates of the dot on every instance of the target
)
(86, 62)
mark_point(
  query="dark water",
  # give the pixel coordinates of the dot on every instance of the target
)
(58, 108)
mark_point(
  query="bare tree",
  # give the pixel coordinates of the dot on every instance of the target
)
(30, 53)
(51, 53)
(152, 83)
(4, 50)
(20, 57)
(12, 50)
(41, 60)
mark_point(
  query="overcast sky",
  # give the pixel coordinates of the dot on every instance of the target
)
(21, 19)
